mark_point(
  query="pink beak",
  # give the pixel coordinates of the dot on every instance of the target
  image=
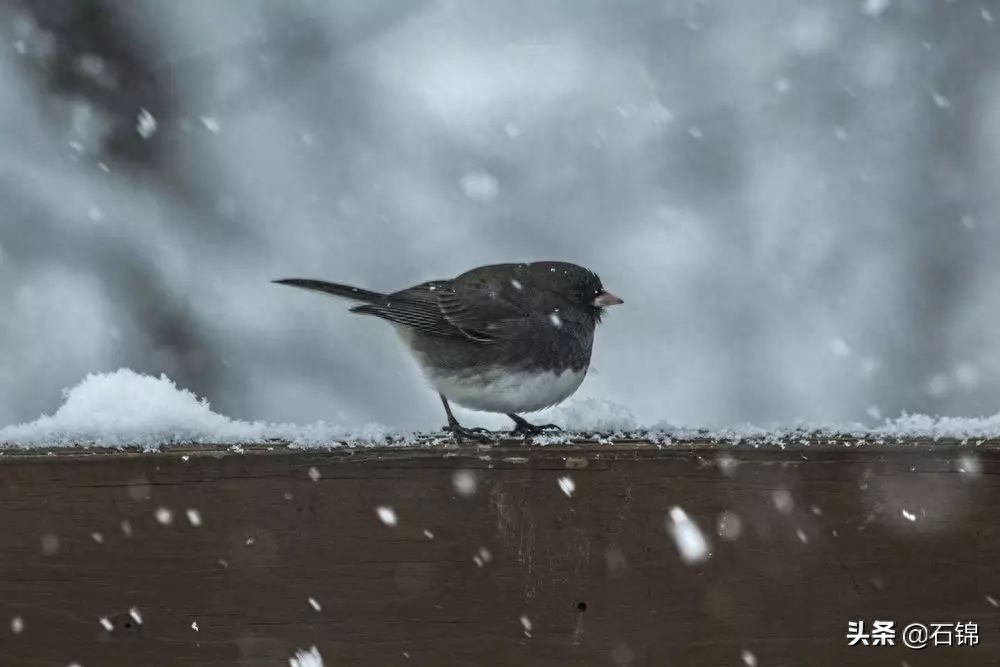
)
(605, 299)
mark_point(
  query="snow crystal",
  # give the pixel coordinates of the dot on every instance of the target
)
(145, 124)
(480, 186)
(194, 626)
(691, 543)
(17, 625)
(567, 486)
(314, 474)
(465, 482)
(386, 515)
(193, 517)
(126, 408)
(164, 516)
(315, 604)
(310, 658)
(749, 659)
(106, 624)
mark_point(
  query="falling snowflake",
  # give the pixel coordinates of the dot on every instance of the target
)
(164, 516)
(516, 284)
(730, 526)
(691, 543)
(428, 534)
(194, 517)
(50, 544)
(749, 659)
(526, 624)
(479, 186)
(315, 604)
(482, 557)
(106, 624)
(465, 482)
(145, 124)
(386, 515)
(314, 474)
(136, 616)
(909, 516)
(310, 658)
(567, 485)
(555, 319)
(17, 625)
(783, 501)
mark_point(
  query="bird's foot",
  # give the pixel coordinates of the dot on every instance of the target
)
(466, 432)
(525, 428)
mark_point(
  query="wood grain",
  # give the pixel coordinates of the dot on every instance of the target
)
(826, 537)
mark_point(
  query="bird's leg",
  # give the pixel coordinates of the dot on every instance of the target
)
(459, 431)
(523, 427)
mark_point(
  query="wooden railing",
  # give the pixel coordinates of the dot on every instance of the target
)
(499, 555)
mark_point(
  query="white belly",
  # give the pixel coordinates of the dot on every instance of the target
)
(497, 391)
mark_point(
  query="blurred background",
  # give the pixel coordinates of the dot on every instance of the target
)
(798, 201)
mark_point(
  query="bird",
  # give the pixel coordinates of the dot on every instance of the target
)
(504, 338)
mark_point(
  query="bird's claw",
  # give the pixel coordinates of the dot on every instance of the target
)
(527, 429)
(466, 432)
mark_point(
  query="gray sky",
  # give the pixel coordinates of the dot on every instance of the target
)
(797, 201)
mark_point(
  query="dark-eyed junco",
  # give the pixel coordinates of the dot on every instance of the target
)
(501, 338)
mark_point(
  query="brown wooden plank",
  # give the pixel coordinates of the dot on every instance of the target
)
(597, 574)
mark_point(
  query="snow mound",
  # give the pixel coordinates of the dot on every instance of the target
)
(126, 408)
(592, 415)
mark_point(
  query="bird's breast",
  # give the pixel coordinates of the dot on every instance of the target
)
(501, 390)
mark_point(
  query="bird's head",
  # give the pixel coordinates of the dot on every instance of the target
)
(581, 287)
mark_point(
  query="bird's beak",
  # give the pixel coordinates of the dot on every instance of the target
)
(605, 299)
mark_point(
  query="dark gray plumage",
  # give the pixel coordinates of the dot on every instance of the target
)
(502, 338)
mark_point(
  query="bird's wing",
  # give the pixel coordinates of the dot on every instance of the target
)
(475, 310)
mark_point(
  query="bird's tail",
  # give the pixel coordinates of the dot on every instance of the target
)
(344, 291)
